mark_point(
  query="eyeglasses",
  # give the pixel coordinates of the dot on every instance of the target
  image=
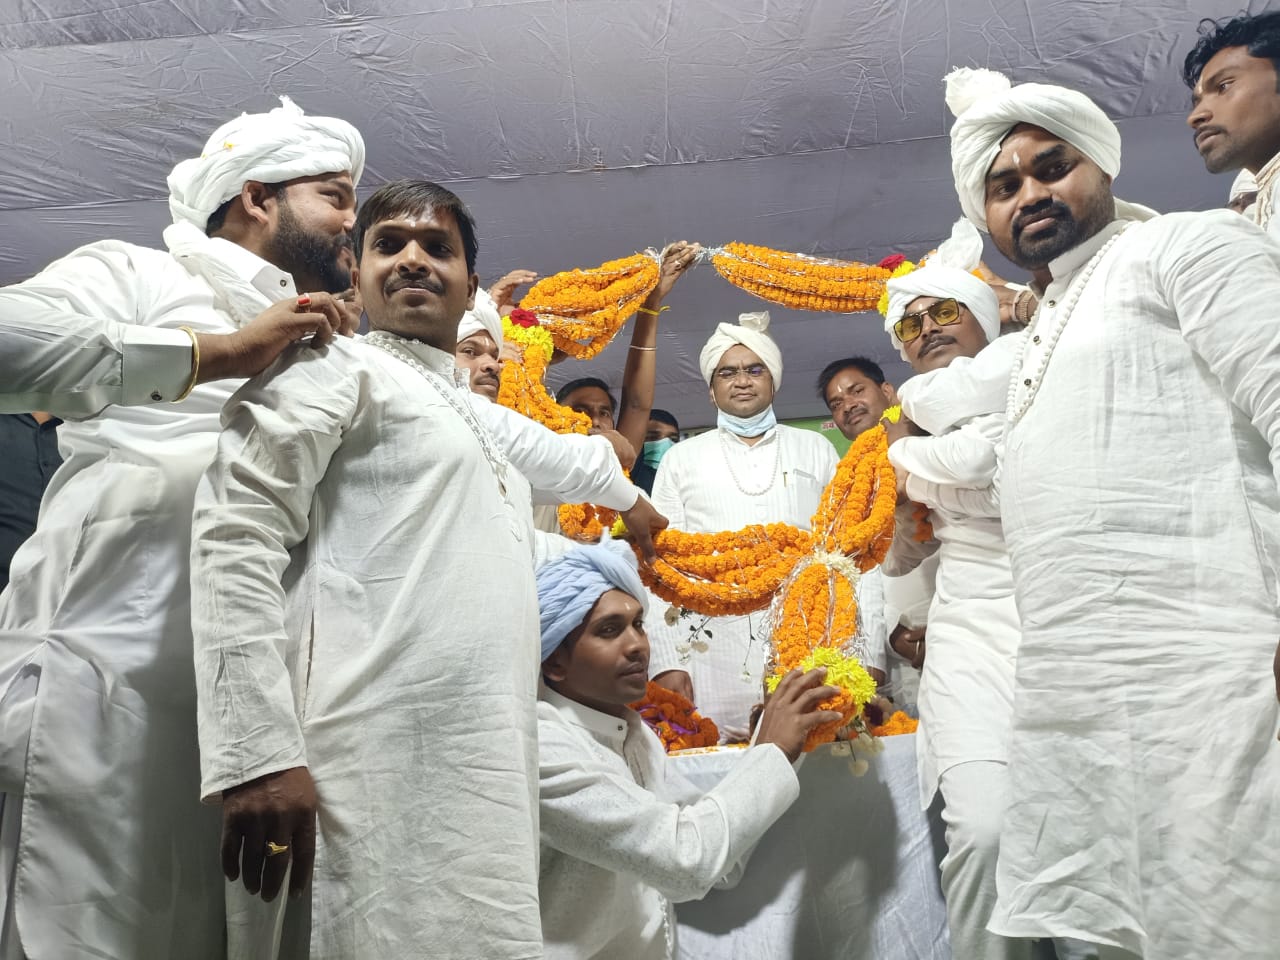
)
(756, 371)
(943, 313)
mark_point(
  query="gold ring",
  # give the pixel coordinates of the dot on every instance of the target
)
(276, 848)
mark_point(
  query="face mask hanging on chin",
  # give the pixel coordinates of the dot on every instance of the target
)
(762, 422)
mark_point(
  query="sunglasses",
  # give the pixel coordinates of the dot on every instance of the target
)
(943, 313)
(756, 371)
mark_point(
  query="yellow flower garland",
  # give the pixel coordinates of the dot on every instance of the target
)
(801, 282)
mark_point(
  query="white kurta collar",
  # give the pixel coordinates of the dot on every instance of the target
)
(269, 280)
(1064, 266)
(769, 436)
(433, 358)
(608, 729)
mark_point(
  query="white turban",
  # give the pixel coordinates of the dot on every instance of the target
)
(273, 147)
(987, 107)
(569, 586)
(750, 331)
(484, 317)
(947, 274)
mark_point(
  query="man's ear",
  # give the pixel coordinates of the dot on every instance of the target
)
(473, 283)
(257, 199)
(890, 393)
(556, 667)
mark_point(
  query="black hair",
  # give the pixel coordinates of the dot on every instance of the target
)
(409, 197)
(581, 382)
(1259, 34)
(868, 368)
(662, 416)
(218, 219)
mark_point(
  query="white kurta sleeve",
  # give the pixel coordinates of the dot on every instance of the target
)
(1221, 276)
(961, 458)
(561, 468)
(73, 339)
(279, 432)
(966, 388)
(597, 814)
(873, 629)
(664, 639)
(905, 553)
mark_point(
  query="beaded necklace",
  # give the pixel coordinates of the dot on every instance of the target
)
(773, 474)
(1023, 389)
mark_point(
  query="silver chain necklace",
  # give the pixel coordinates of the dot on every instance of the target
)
(392, 344)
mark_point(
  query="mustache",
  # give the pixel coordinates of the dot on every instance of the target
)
(418, 281)
(486, 378)
(1052, 208)
(1204, 132)
(937, 340)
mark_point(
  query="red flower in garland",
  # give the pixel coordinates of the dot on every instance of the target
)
(892, 262)
(523, 318)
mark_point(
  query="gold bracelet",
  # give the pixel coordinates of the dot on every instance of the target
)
(195, 365)
(652, 313)
(638, 347)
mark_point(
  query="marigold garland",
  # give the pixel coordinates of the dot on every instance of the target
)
(801, 282)
(673, 718)
(896, 725)
(521, 387)
(584, 309)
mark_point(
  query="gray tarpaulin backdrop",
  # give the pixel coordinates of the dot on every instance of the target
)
(581, 130)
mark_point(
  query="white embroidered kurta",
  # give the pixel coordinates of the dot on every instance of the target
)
(624, 836)
(1140, 505)
(115, 856)
(713, 482)
(966, 684)
(97, 610)
(341, 541)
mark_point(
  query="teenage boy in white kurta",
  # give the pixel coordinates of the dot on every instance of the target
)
(1140, 505)
(624, 836)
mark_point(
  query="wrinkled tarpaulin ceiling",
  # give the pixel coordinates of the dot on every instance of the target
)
(580, 130)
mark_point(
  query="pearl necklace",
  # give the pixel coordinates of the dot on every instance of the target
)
(1030, 386)
(773, 475)
(392, 344)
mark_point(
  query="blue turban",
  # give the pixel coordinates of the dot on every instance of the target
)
(570, 585)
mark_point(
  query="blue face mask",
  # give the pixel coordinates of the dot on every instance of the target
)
(654, 450)
(762, 422)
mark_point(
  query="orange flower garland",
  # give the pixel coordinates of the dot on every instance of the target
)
(801, 282)
(678, 725)
(521, 388)
(584, 309)
(896, 725)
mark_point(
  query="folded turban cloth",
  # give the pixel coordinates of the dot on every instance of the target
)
(947, 274)
(570, 585)
(273, 147)
(484, 317)
(987, 107)
(750, 332)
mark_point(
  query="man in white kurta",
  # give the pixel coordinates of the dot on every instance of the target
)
(1140, 506)
(966, 683)
(623, 835)
(104, 850)
(356, 501)
(1234, 75)
(750, 469)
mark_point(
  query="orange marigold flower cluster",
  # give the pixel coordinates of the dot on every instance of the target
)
(585, 521)
(896, 725)
(584, 309)
(521, 387)
(678, 725)
(801, 282)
